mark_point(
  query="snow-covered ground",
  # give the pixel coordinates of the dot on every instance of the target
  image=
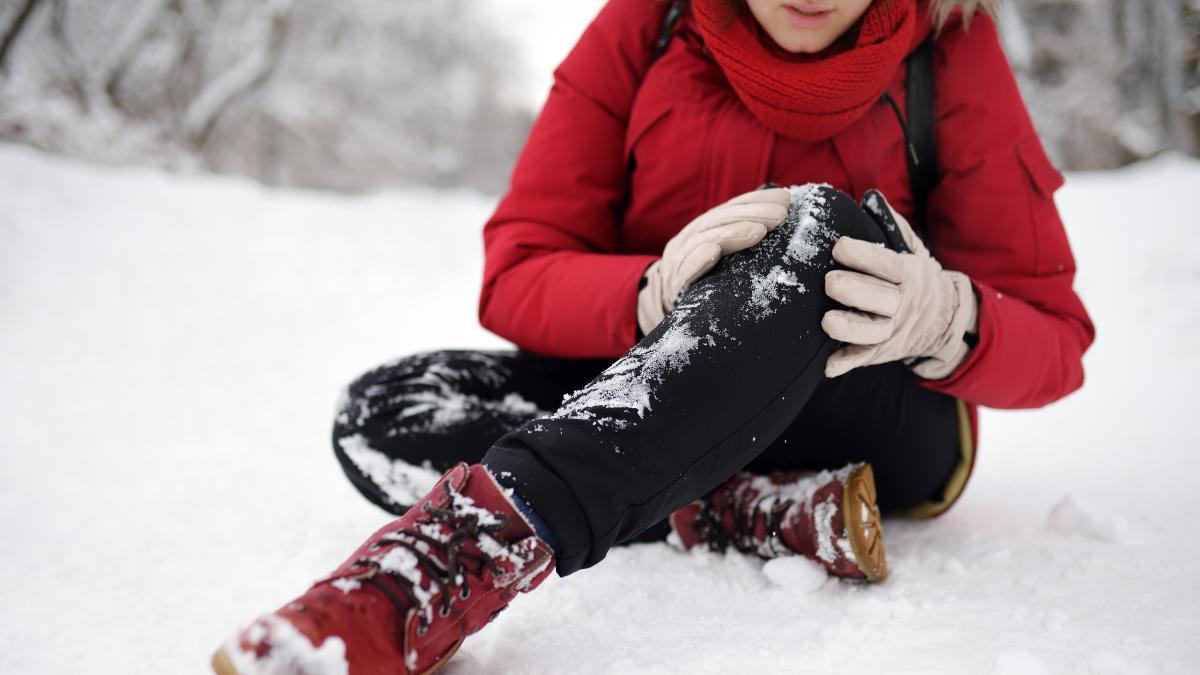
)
(171, 350)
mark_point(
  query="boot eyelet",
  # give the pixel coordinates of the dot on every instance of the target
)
(465, 592)
(422, 629)
(444, 611)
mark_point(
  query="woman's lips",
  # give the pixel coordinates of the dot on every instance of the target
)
(807, 15)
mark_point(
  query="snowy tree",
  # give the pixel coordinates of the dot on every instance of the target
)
(364, 93)
(1110, 81)
(346, 95)
(13, 20)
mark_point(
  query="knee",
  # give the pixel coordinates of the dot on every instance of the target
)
(819, 215)
(850, 218)
(791, 259)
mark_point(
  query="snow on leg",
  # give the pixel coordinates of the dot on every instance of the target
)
(694, 401)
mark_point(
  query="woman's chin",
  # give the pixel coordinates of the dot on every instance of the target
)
(802, 43)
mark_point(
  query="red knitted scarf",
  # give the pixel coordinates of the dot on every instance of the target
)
(809, 99)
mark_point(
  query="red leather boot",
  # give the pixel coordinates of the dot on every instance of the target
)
(406, 599)
(830, 517)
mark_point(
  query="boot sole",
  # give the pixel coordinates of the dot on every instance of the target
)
(864, 527)
(222, 665)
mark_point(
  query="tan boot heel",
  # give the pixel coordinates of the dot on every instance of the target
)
(863, 524)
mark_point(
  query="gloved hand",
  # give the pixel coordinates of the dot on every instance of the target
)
(733, 226)
(902, 305)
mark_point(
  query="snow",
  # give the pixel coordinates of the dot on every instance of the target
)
(808, 209)
(800, 492)
(202, 111)
(445, 406)
(401, 482)
(290, 653)
(171, 349)
(1069, 517)
(823, 514)
(403, 548)
(1021, 663)
(625, 386)
(403, 564)
(802, 489)
(627, 383)
(795, 574)
(765, 293)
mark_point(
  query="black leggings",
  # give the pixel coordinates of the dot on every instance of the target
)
(732, 379)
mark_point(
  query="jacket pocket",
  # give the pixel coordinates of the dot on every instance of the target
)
(1053, 251)
(1045, 177)
(639, 126)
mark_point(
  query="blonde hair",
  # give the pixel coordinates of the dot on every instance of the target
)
(942, 8)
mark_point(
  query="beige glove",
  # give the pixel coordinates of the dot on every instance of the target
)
(733, 226)
(902, 305)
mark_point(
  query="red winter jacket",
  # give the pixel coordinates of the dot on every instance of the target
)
(627, 150)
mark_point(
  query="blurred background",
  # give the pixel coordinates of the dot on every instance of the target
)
(362, 94)
(179, 311)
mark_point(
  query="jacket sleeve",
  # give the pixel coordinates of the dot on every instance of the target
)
(554, 280)
(993, 217)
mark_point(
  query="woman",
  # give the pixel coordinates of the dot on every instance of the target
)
(799, 349)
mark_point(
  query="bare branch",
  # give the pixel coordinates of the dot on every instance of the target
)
(140, 23)
(10, 35)
(202, 114)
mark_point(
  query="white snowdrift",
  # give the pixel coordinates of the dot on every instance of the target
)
(171, 350)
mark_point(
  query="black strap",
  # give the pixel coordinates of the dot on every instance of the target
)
(674, 11)
(922, 137)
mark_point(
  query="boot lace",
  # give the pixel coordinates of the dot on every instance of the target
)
(445, 577)
(734, 518)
